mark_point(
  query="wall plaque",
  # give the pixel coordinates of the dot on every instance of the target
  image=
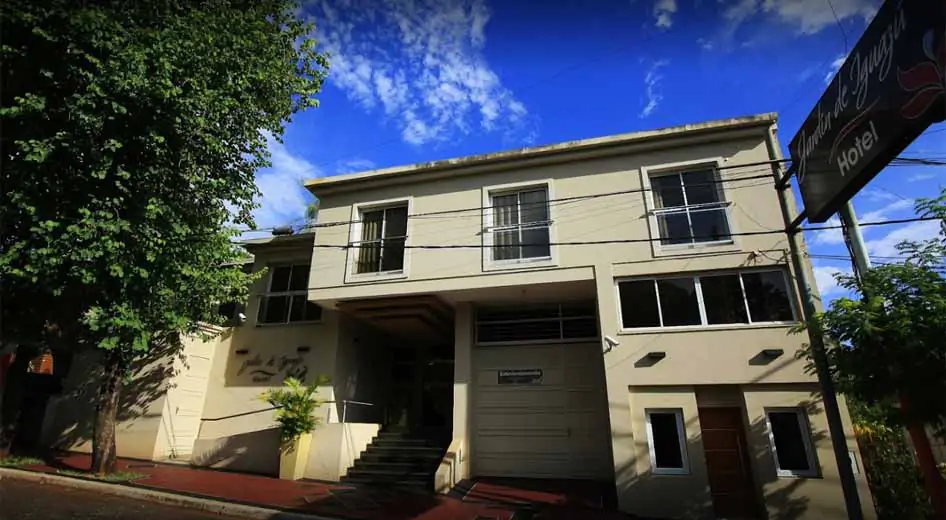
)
(529, 376)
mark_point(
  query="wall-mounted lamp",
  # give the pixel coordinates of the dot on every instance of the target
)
(656, 356)
(772, 353)
(241, 352)
(302, 349)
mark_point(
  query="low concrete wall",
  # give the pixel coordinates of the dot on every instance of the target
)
(336, 446)
(451, 470)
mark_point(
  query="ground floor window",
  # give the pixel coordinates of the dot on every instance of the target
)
(790, 437)
(666, 439)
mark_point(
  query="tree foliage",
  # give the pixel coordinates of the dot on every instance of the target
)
(132, 132)
(296, 406)
(888, 341)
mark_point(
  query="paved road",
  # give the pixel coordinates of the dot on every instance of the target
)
(21, 500)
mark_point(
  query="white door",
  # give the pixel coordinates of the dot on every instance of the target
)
(185, 398)
(540, 411)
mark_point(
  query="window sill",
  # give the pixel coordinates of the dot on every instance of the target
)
(513, 265)
(796, 474)
(288, 324)
(689, 249)
(665, 472)
(376, 277)
(707, 328)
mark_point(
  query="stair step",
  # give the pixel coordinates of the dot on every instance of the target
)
(407, 474)
(425, 485)
(403, 466)
(394, 456)
(405, 441)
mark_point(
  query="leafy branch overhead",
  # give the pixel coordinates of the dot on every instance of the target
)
(132, 135)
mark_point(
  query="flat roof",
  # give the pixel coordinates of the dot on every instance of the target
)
(764, 119)
(252, 243)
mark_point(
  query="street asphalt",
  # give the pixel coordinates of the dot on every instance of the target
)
(21, 500)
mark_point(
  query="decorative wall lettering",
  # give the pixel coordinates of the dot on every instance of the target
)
(263, 370)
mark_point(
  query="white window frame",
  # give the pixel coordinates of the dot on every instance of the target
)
(805, 426)
(354, 237)
(658, 249)
(702, 305)
(267, 293)
(488, 192)
(681, 442)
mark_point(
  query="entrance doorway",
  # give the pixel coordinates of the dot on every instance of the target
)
(421, 398)
(727, 463)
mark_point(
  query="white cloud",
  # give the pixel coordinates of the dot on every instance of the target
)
(803, 16)
(811, 16)
(422, 62)
(283, 199)
(915, 231)
(833, 68)
(663, 13)
(877, 195)
(354, 165)
(887, 211)
(919, 177)
(824, 279)
(828, 236)
(653, 92)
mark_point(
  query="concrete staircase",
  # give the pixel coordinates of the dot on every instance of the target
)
(399, 459)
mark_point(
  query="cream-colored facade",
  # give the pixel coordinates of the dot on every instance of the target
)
(562, 312)
(602, 221)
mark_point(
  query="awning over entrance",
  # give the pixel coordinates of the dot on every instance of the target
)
(423, 318)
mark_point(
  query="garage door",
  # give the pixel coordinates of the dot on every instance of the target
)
(539, 408)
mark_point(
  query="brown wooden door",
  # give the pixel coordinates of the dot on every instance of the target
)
(727, 463)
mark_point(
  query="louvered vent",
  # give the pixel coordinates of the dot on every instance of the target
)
(572, 321)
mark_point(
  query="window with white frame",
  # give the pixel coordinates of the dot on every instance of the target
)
(286, 298)
(689, 208)
(705, 299)
(790, 439)
(666, 438)
(383, 236)
(520, 225)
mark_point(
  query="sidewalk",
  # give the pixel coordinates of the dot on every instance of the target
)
(486, 502)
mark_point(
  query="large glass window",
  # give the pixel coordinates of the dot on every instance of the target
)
(383, 235)
(286, 300)
(689, 208)
(708, 299)
(520, 227)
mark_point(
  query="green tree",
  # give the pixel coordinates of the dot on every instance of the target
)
(132, 132)
(887, 343)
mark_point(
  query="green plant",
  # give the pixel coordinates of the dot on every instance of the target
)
(296, 404)
(895, 482)
(132, 135)
(15, 461)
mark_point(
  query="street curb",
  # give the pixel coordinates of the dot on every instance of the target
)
(209, 505)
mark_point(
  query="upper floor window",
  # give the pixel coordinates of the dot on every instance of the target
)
(689, 208)
(383, 234)
(520, 227)
(707, 299)
(286, 298)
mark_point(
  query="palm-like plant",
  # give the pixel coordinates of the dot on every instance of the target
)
(296, 404)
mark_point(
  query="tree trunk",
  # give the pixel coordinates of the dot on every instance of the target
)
(935, 487)
(106, 410)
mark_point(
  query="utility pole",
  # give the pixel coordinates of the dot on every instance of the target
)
(852, 231)
(815, 337)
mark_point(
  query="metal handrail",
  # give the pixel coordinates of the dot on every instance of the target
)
(345, 403)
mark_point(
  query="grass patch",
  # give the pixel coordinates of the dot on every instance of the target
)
(118, 476)
(15, 462)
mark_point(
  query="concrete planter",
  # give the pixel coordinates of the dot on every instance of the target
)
(293, 458)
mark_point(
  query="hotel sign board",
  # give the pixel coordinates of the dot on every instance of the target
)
(888, 91)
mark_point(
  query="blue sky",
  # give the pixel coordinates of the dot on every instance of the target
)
(419, 80)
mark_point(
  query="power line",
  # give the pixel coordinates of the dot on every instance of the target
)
(614, 241)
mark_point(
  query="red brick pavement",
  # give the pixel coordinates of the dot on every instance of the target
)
(497, 500)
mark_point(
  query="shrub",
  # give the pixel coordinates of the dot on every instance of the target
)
(296, 404)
